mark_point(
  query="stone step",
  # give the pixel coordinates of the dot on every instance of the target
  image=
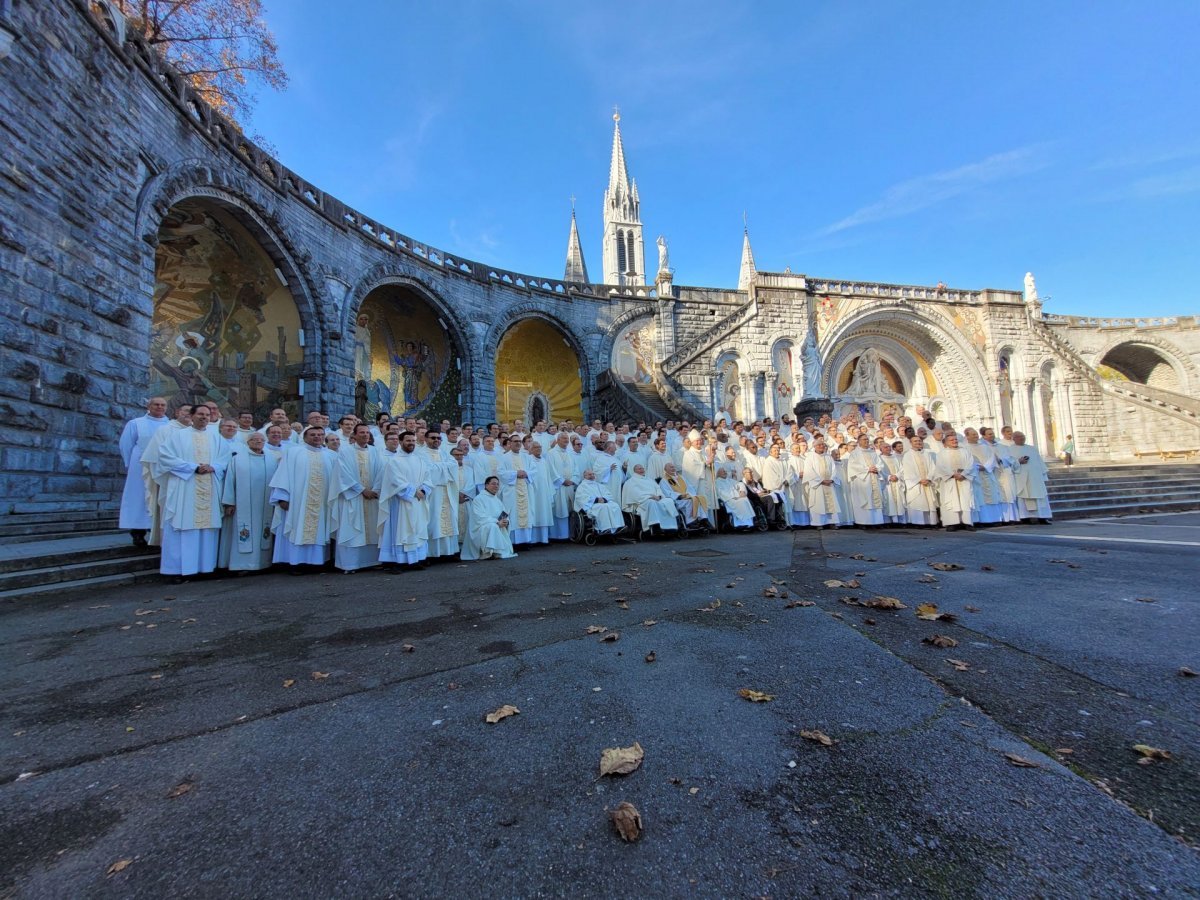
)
(47, 554)
(51, 525)
(1100, 487)
(1058, 503)
(1130, 508)
(61, 590)
(69, 576)
(10, 540)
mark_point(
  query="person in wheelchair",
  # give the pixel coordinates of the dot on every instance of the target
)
(593, 502)
(644, 499)
(692, 507)
(765, 501)
(731, 494)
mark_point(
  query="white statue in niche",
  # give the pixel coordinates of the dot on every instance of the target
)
(1031, 294)
(664, 255)
(868, 376)
(362, 348)
(811, 358)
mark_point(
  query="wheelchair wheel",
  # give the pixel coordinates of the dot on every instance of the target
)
(590, 539)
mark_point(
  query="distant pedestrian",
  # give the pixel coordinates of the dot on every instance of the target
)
(1068, 450)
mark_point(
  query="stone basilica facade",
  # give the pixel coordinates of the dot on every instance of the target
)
(146, 247)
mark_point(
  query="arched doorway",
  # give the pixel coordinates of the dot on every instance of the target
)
(1140, 363)
(534, 360)
(783, 362)
(730, 389)
(225, 326)
(406, 362)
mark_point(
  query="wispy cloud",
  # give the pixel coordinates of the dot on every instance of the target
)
(924, 191)
(398, 162)
(483, 244)
(1152, 187)
(1147, 158)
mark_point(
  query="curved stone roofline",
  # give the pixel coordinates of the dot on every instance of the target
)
(1107, 322)
(135, 51)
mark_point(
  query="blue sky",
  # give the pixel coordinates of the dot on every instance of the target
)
(896, 142)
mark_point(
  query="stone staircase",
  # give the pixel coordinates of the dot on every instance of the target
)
(709, 338)
(1123, 489)
(46, 554)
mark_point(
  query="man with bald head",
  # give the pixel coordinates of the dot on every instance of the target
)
(135, 438)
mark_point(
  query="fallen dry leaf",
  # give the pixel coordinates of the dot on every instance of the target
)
(868, 621)
(611, 638)
(502, 713)
(1186, 672)
(319, 676)
(650, 623)
(818, 737)
(1063, 751)
(567, 572)
(407, 648)
(835, 583)
(561, 594)
(971, 608)
(1145, 599)
(119, 866)
(927, 579)
(621, 760)
(987, 568)
(716, 604)
(595, 629)
(882, 602)
(1150, 754)
(158, 675)
(927, 611)
(651, 656)
(771, 592)
(693, 791)
(179, 790)
(621, 604)
(289, 682)
(959, 665)
(612, 590)
(796, 603)
(627, 820)
(755, 696)
(858, 556)
(940, 640)
(1020, 761)
(945, 566)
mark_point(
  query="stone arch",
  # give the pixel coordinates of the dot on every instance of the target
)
(959, 369)
(525, 312)
(236, 363)
(254, 208)
(731, 381)
(1148, 360)
(448, 388)
(782, 403)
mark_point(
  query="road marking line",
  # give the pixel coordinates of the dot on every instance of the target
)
(1110, 540)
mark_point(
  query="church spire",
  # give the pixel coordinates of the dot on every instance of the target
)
(576, 268)
(747, 272)
(624, 254)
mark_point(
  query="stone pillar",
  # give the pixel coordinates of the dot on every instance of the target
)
(665, 331)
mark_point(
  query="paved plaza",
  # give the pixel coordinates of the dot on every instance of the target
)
(325, 736)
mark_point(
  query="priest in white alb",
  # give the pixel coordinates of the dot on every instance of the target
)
(487, 529)
(135, 515)
(562, 463)
(821, 480)
(355, 507)
(442, 477)
(1033, 501)
(643, 498)
(246, 498)
(193, 461)
(404, 517)
(866, 488)
(954, 471)
(591, 499)
(302, 491)
(154, 479)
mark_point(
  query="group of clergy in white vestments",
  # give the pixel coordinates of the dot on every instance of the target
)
(221, 494)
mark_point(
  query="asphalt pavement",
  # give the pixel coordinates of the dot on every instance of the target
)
(324, 736)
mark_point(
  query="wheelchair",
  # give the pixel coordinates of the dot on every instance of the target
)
(725, 521)
(582, 530)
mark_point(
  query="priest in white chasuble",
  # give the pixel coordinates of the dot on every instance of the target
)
(404, 528)
(443, 496)
(774, 477)
(698, 471)
(515, 495)
(355, 505)
(1006, 465)
(1033, 501)
(592, 499)
(465, 478)
(246, 498)
(154, 479)
(543, 487)
(920, 483)
(491, 460)
(954, 471)
(675, 488)
(821, 479)
(135, 516)
(487, 529)
(193, 461)
(895, 509)
(797, 498)
(302, 491)
(989, 502)
(866, 487)
(563, 465)
(645, 499)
